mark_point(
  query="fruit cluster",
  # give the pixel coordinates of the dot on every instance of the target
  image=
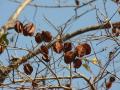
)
(70, 55)
(27, 29)
(46, 37)
(43, 36)
(65, 47)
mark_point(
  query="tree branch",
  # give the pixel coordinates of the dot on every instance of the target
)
(31, 54)
(11, 22)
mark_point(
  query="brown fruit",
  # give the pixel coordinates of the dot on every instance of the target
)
(44, 49)
(69, 57)
(46, 58)
(112, 79)
(58, 46)
(34, 83)
(2, 48)
(88, 48)
(108, 85)
(113, 30)
(83, 49)
(77, 63)
(67, 46)
(116, 1)
(47, 37)
(38, 38)
(29, 29)
(18, 27)
(28, 69)
(116, 31)
(80, 50)
(77, 2)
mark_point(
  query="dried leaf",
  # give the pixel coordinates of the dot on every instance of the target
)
(95, 61)
(86, 67)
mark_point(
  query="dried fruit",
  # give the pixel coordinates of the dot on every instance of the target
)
(67, 46)
(29, 29)
(58, 46)
(34, 83)
(69, 57)
(28, 69)
(47, 37)
(113, 30)
(38, 38)
(2, 48)
(77, 63)
(83, 49)
(108, 85)
(77, 2)
(107, 25)
(80, 50)
(44, 49)
(116, 1)
(18, 27)
(116, 31)
(87, 47)
(46, 58)
(112, 79)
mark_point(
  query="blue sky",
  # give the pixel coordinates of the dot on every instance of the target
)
(58, 16)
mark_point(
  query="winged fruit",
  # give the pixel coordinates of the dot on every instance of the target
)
(69, 57)
(38, 38)
(29, 29)
(83, 49)
(67, 46)
(18, 27)
(44, 49)
(58, 46)
(46, 58)
(28, 69)
(47, 37)
(77, 63)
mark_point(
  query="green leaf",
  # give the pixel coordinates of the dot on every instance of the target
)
(86, 67)
(84, 59)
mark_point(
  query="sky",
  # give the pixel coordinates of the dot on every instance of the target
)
(58, 16)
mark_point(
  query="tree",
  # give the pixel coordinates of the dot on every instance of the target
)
(70, 53)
